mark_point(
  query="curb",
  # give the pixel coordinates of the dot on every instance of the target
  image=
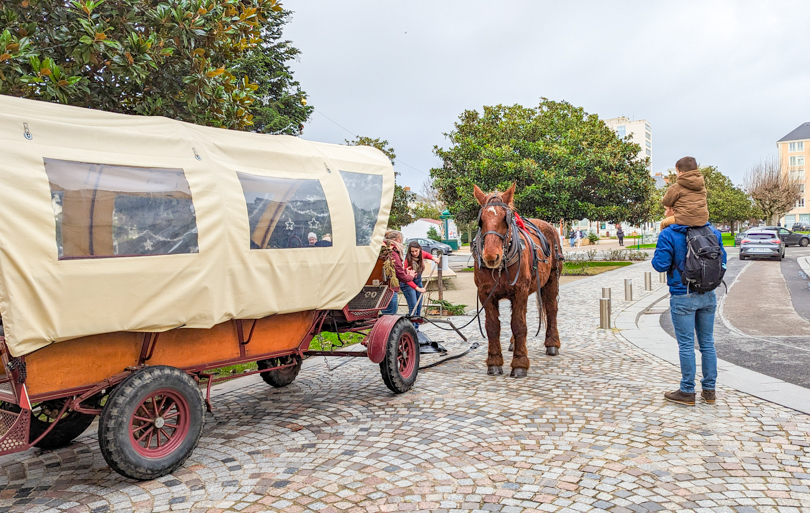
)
(639, 325)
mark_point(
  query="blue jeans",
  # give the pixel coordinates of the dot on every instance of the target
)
(694, 313)
(571, 241)
(392, 306)
(412, 297)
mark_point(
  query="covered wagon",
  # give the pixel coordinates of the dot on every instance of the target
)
(138, 253)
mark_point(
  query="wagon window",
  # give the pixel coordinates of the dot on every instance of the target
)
(104, 210)
(365, 192)
(286, 213)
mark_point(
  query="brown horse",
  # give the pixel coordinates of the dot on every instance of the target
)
(512, 261)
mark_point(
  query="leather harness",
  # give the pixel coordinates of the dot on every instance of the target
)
(514, 242)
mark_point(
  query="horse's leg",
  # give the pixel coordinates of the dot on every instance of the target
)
(493, 325)
(520, 358)
(550, 295)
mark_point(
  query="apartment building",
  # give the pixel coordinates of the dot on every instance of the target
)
(640, 132)
(794, 152)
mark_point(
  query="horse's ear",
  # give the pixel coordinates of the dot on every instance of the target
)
(509, 195)
(479, 195)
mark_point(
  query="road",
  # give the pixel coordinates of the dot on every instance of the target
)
(763, 321)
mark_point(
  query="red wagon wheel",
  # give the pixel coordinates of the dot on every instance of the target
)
(400, 365)
(151, 423)
(159, 424)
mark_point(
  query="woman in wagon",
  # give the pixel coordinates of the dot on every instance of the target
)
(415, 261)
(393, 239)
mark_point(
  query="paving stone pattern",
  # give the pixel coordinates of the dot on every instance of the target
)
(586, 431)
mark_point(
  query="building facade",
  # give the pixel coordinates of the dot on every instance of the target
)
(640, 132)
(794, 153)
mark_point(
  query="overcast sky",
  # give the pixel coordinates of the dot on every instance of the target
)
(720, 81)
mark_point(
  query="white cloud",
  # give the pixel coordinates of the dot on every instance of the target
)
(721, 81)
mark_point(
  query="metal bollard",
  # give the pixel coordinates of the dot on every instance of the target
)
(662, 277)
(628, 289)
(604, 313)
(648, 280)
(605, 292)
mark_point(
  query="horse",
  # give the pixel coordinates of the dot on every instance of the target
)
(514, 258)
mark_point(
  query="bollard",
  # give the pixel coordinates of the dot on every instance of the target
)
(628, 289)
(604, 313)
(605, 292)
(648, 280)
(662, 277)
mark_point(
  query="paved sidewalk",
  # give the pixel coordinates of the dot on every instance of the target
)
(586, 431)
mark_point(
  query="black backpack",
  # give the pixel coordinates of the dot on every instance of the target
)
(703, 269)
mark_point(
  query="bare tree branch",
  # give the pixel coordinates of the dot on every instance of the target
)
(773, 188)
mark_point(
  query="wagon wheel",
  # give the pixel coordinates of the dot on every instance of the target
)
(401, 363)
(151, 423)
(71, 425)
(280, 377)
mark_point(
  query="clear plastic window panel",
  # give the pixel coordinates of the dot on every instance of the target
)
(286, 213)
(104, 210)
(365, 192)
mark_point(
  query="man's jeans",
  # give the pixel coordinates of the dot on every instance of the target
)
(391, 309)
(694, 313)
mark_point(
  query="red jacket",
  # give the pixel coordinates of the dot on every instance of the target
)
(425, 255)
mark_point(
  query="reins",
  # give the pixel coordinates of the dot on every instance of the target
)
(512, 251)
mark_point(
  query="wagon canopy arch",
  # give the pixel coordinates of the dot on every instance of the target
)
(116, 223)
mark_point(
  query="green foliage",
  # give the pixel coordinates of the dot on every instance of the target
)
(449, 307)
(433, 234)
(426, 211)
(401, 214)
(727, 203)
(566, 164)
(593, 238)
(280, 104)
(200, 61)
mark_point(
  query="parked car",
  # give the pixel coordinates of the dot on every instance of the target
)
(739, 237)
(433, 247)
(801, 227)
(790, 237)
(762, 243)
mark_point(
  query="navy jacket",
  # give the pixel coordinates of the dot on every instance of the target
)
(671, 248)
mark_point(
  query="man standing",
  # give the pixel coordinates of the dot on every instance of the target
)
(692, 311)
(620, 235)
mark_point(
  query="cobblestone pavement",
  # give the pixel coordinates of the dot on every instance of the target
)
(586, 431)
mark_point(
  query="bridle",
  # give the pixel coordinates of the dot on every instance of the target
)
(510, 247)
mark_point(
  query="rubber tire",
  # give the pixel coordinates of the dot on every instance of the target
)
(436, 252)
(804, 242)
(282, 377)
(114, 422)
(388, 367)
(70, 427)
(742, 257)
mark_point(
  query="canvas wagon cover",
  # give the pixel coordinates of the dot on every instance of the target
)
(114, 223)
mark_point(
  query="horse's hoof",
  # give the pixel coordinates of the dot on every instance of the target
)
(494, 370)
(552, 351)
(511, 347)
(519, 372)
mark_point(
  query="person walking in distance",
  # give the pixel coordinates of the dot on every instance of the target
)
(571, 237)
(620, 235)
(694, 260)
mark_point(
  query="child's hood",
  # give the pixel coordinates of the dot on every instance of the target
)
(692, 180)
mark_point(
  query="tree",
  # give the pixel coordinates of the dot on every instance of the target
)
(433, 234)
(280, 104)
(772, 188)
(180, 59)
(401, 214)
(566, 164)
(431, 196)
(424, 210)
(727, 203)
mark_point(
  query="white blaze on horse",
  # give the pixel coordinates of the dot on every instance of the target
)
(514, 258)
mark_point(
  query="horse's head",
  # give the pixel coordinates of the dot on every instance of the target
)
(493, 219)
